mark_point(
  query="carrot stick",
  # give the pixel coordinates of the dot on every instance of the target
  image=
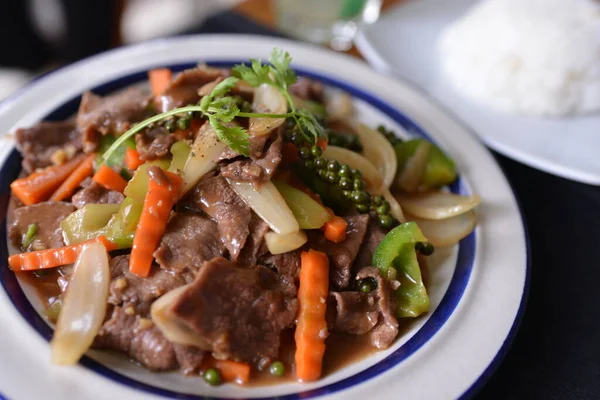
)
(51, 258)
(83, 170)
(335, 229)
(289, 154)
(162, 195)
(159, 80)
(132, 159)
(39, 186)
(311, 328)
(231, 371)
(110, 179)
(322, 143)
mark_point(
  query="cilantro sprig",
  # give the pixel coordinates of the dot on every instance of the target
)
(221, 109)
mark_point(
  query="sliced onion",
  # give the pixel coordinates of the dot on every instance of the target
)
(267, 203)
(339, 105)
(84, 306)
(446, 232)
(437, 205)
(415, 168)
(267, 100)
(175, 331)
(205, 150)
(395, 208)
(278, 244)
(379, 150)
(356, 161)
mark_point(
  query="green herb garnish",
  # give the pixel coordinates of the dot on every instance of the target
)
(29, 235)
(221, 109)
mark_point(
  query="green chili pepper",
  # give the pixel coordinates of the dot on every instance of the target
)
(138, 185)
(181, 151)
(396, 258)
(440, 168)
(121, 227)
(308, 213)
(29, 235)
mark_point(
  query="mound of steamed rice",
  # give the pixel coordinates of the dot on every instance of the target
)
(534, 57)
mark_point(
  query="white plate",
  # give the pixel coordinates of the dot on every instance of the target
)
(404, 41)
(476, 289)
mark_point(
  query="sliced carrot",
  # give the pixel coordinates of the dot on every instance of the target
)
(289, 154)
(110, 179)
(322, 143)
(51, 258)
(161, 197)
(231, 371)
(311, 327)
(132, 159)
(83, 170)
(159, 80)
(335, 229)
(39, 186)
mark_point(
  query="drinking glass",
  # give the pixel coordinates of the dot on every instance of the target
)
(332, 22)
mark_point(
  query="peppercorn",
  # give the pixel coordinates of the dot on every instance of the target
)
(170, 125)
(359, 184)
(385, 221)
(309, 164)
(277, 368)
(316, 151)
(344, 171)
(360, 197)
(362, 208)
(356, 174)
(345, 183)
(347, 194)
(331, 177)
(333, 166)
(183, 123)
(383, 208)
(367, 285)
(305, 153)
(212, 376)
(425, 248)
(320, 163)
(322, 174)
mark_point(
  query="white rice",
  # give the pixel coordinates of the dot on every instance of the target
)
(535, 57)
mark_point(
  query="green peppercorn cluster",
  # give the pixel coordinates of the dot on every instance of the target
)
(390, 135)
(348, 179)
(175, 122)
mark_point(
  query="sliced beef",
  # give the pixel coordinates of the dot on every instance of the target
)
(258, 170)
(257, 149)
(341, 255)
(46, 141)
(373, 237)
(139, 338)
(284, 263)
(95, 193)
(239, 312)
(214, 196)
(384, 333)
(113, 114)
(189, 358)
(47, 216)
(183, 90)
(351, 312)
(138, 292)
(189, 241)
(308, 89)
(154, 144)
(254, 244)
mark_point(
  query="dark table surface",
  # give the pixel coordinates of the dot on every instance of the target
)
(556, 353)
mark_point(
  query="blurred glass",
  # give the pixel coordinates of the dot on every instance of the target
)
(332, 22)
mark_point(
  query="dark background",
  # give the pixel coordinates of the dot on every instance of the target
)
(556, 353)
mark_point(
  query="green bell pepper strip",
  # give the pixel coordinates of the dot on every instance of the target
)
(440, 169)
(87, 223)
(181, 151)
(121, 227)
(308, 213)
(396, 258)
(116, 158)
(138, 185)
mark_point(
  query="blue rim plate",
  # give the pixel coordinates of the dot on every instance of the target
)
(455, 346)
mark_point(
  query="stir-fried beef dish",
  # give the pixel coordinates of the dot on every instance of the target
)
(228, 223)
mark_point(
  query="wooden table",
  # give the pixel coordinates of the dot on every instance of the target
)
(261, 11)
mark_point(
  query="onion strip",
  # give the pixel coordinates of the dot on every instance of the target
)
(356, 161)
(278, 244)
(437, 205)
(84, 306)
(378, 150)
(267, 203)
(446, 232)
(411, 176)
(205, 150)
(395, 208)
